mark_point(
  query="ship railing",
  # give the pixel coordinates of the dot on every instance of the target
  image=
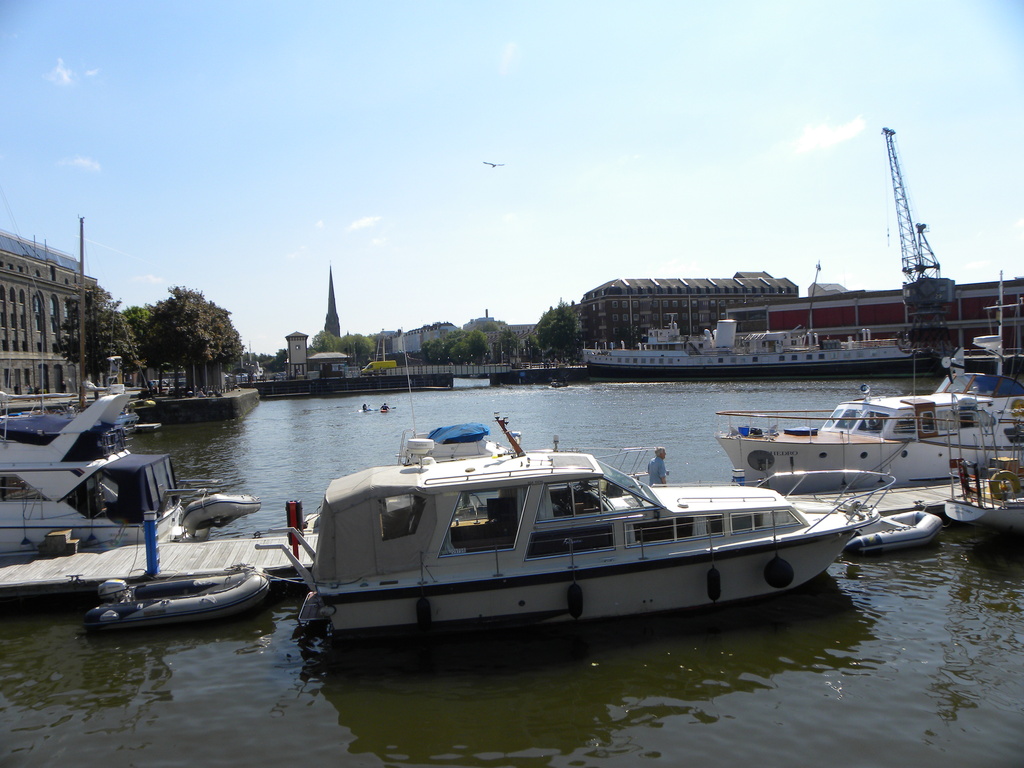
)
(854, 494)
(769, 424)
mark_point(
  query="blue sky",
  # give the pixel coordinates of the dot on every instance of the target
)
(244, 148)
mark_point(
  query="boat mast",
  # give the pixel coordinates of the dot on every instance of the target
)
(81, 312)
(810, 304)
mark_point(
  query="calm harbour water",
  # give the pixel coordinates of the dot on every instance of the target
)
(911, 659)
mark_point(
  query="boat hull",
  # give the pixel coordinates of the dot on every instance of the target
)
(644, 585)
(731, 366)
(908, 462)
(20, 533)
(1008, 518)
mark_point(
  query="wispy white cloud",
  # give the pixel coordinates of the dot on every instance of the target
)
(296, 254)
(85, 163)
(91, 72)
(319, 224)
(363, 223)
(509, 58)
(60, 74)
(151, 279)
(1020, 225)
(377, 242)
(821, 136)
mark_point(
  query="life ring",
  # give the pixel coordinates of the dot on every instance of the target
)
(1001, 481)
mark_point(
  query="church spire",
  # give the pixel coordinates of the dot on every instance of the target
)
(333, 324)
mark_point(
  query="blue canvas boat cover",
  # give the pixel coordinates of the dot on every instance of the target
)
(460, 433)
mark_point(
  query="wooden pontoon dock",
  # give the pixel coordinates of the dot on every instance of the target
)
(29, 575)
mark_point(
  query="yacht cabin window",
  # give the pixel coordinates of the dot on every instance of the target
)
(484, 520)
(874, 421)
(13, 488)
(591, 496)
(675, 528)
(400, 516)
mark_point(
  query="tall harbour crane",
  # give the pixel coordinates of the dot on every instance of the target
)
(925, 293)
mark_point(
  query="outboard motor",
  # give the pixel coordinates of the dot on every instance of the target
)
(112, 590)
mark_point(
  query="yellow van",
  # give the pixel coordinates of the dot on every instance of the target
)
(380, 366)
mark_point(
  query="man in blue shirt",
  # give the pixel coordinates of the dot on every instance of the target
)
(657, 474)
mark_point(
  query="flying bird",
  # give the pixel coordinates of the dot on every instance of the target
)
(493, 165)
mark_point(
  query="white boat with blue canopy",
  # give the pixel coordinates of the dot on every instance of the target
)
(547, 536)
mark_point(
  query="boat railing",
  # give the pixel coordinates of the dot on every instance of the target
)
(629, 461)
(853, 496)
(769, 424)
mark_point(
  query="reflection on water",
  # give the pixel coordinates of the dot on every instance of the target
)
(911, 659)
(553, 692)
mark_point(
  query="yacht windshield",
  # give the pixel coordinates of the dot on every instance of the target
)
(983, 384)
(842, 419)
(625, 481)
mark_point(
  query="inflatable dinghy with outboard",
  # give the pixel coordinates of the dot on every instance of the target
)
(175, 601)
(916, 528)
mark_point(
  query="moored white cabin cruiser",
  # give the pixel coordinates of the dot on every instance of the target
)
(546, 536)
(914, 439)
(72, 474)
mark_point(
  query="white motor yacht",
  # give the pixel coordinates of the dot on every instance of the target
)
(71, 474)
(914, 439)
(528, 537)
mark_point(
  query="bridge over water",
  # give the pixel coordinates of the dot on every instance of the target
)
(418, 377)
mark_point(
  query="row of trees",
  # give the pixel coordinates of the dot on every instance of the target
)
(187, 333)
(183, 333)
(557, 336)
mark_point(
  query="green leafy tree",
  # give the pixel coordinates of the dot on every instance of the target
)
(187, 330)
(107, 333)
(531, 347)
(466, 347)
(358, 346)
(325, 341)
(558, 332)
(274, 363)
(508, 345)
(434, 352)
